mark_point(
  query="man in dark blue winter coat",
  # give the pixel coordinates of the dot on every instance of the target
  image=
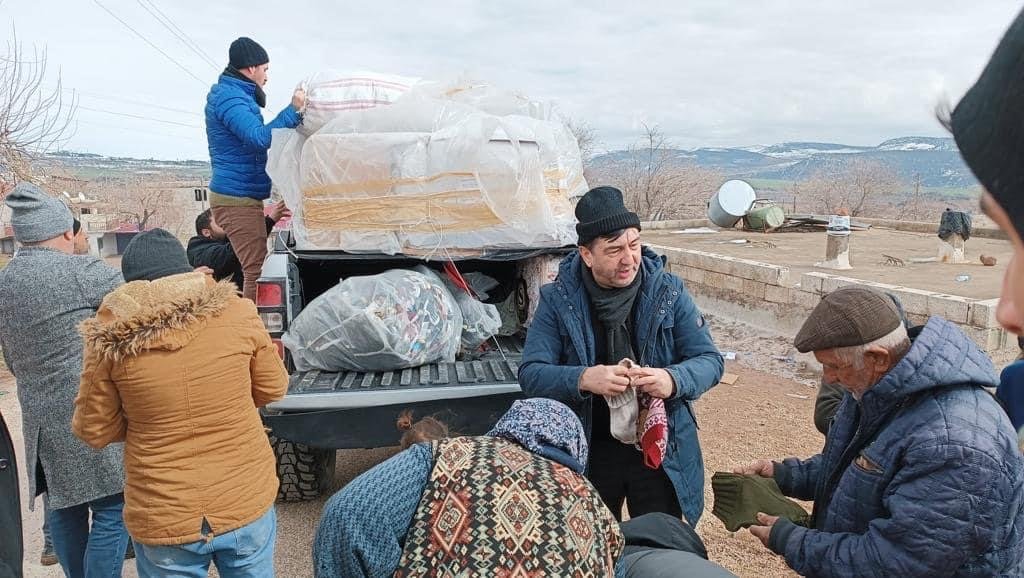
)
(615, 300)
(920, 474)
(238, 142)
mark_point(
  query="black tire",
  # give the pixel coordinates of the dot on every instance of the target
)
(304, 472)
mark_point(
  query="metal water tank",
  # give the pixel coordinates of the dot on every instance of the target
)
(731, 203)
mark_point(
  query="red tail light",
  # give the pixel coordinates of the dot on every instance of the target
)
(269, 295)
(279, 346)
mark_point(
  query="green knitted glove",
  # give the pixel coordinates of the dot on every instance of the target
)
(739, 498)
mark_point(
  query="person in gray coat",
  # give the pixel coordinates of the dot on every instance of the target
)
(45, 292)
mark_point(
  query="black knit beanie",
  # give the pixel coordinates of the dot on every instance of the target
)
(152, 255)
(245, 52)
(601, 211)
(988, 125)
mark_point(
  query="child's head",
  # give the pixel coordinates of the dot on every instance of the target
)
(425, 430)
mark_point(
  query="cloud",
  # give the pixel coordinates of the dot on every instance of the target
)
(709, 73)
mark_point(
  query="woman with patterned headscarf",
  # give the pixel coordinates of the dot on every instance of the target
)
(511, 502)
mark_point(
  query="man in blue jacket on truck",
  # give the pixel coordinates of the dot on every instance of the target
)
(238, 142)
(615, 300)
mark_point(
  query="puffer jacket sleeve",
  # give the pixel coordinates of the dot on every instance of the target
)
(945, 505)
(236, 115)
(541, 373)
(362, 530)
(698, 364)
(797, 478)
(98, 419)
(266, 369)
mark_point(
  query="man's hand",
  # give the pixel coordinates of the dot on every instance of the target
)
(763, 468)
(204, 270)
(299, 99)
(763, 529)
(279, 211)
(605, 379)
(653, 381)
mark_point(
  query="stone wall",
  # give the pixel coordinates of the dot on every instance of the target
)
(766, 296)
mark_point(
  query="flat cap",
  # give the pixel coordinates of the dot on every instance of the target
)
(846, 317)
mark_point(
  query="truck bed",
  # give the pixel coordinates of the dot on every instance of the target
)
(344, 410)
(494, 372)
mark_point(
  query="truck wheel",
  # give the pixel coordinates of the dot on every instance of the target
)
(304, 472)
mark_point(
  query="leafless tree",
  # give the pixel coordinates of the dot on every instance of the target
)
(862, 187)
(657, 183)
(33, 117)
(144, 202)
(586, 138)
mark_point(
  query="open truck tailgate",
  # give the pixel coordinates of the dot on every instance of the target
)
(359, 409)
(318, 390)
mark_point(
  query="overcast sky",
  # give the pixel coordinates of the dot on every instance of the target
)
(708, 72)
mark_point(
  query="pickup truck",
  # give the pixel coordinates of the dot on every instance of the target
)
(327, 411)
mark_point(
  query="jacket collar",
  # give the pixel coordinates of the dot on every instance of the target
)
(940, 356)
(37, 250)
(247, 86)
(570, 272)
(162, 314)
(576, 312)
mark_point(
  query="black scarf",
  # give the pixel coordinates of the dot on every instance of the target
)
(613, 309)
(261, 97)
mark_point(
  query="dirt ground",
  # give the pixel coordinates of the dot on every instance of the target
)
(799, 251)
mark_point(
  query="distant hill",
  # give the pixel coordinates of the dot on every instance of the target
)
(936, 160)
(93, 166)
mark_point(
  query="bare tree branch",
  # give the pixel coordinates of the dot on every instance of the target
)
(657, 183)
(33, 118)
(861, 187)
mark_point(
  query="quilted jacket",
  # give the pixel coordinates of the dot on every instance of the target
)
(921, 477)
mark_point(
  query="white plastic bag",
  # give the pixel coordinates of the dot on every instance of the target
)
(384, 322)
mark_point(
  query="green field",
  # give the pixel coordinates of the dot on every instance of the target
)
(951, 193)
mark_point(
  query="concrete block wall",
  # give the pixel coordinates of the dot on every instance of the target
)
(765, 294)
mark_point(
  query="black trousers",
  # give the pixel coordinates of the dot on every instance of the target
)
(618, 472)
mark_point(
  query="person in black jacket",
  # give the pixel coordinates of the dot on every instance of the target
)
(211, 247)
(10, 508)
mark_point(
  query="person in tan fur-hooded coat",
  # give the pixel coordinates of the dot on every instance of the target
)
(176, 365)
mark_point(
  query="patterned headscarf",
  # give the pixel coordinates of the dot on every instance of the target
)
(545, 427)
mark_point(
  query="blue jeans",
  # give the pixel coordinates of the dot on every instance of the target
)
(90, 551)
(247, 552)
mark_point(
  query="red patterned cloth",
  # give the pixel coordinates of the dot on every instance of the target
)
(652, 429)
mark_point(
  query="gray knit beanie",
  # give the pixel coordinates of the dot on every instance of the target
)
(152, 255)
(37, 216)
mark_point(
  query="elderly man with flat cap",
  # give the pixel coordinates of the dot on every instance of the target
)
(920, 475)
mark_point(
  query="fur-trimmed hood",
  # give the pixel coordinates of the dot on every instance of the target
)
(162, 314)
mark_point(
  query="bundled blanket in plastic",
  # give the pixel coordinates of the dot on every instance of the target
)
(480, 321)
(428, 168)
(384, 322)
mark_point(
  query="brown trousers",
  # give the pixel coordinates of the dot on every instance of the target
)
(246, 229)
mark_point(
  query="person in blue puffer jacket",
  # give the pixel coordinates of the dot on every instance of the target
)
(920, 475)
(238, 142)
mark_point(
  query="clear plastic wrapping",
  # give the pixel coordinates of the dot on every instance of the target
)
(394, 320)
(438, 167)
